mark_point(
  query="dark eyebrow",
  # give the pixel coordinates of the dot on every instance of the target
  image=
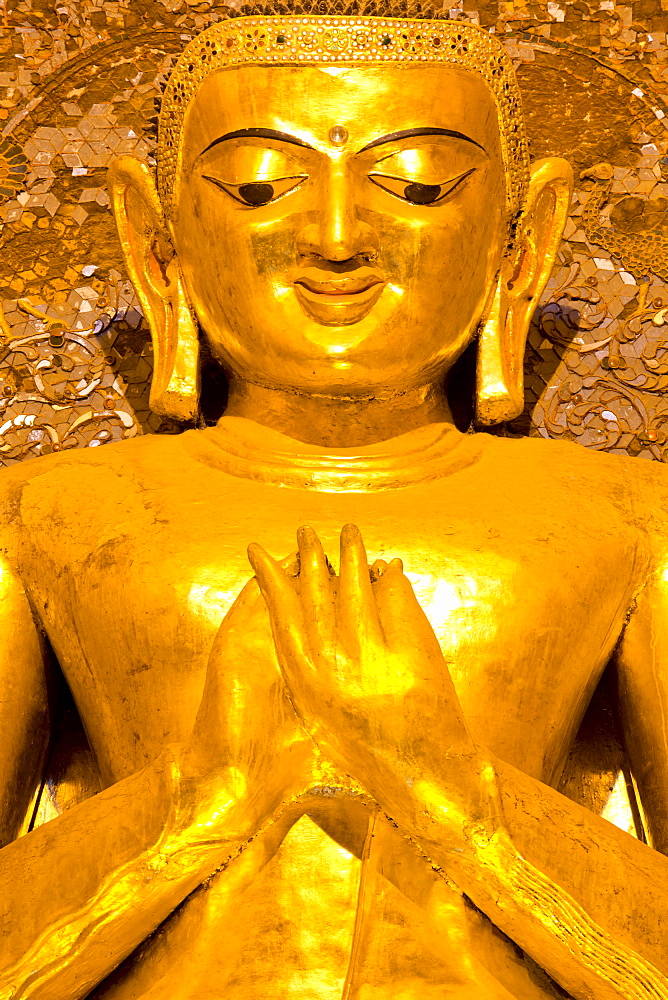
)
(410, 132)
(257, 133)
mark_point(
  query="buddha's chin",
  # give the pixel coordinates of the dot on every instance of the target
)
(338, 310)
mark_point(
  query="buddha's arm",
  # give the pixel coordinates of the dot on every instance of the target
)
(588, 902)
(48, 877)
(81, 892)
(642, 661)
(24, 710)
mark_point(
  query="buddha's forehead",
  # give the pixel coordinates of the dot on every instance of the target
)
(369, 101)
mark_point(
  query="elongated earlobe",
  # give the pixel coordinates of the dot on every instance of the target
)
(176, 372)
(522, 279)
(155, 273)
(500, 380)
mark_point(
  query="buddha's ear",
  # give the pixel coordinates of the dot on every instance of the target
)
(155, 273)
(522, 278)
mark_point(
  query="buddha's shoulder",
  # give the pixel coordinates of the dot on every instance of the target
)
(84, 477)
(567, 471)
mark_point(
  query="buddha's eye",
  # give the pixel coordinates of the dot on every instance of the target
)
(254, 194)
(414, 191)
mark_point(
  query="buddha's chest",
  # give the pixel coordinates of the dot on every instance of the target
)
(526, 604)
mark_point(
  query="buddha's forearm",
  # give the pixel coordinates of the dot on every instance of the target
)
(585, 900)
(80, 893)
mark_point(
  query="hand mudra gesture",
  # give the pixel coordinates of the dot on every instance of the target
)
(365, 670)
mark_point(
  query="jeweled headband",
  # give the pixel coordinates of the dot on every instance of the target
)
(313, 40)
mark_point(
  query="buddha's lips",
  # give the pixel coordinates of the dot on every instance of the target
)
(348, 283)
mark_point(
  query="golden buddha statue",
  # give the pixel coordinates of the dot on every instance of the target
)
(317, 783)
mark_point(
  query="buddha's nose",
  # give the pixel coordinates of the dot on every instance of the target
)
(338, 233)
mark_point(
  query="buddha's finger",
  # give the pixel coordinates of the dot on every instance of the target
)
(250, 595)
(285, 612)
(290, 564)
(316, 592)
(244, 608)
(377, 570)
(275, 586)
(402, 618)
(358, 611)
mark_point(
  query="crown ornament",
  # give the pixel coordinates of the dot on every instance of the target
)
(320, 39)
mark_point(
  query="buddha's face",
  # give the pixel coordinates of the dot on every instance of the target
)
(349, 241)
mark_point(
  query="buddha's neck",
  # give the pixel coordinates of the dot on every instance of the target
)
(337, 421)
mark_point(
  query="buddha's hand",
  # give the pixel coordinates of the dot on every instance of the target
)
(366, 674)
(248, 753)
